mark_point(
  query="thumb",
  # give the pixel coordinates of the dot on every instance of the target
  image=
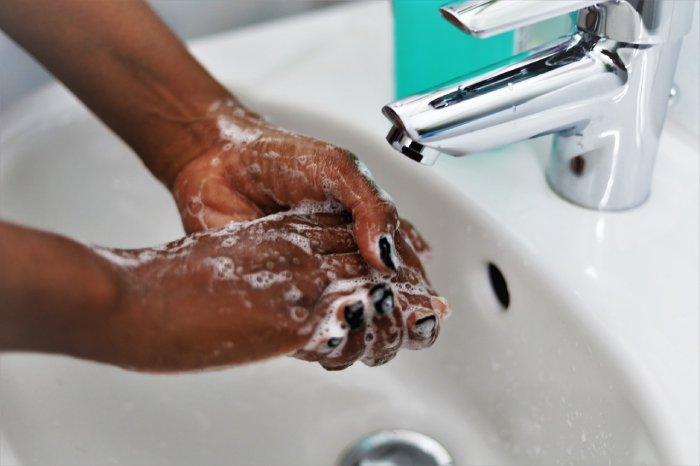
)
(374, 213)
(210, 202)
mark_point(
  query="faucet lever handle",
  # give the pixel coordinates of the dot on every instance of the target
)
(486, 18)
(646, 22)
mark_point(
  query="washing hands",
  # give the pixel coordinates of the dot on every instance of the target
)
(292, 248)
(291, 283)
(254, 168)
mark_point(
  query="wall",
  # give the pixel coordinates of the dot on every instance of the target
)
(20, 74)
(686, 111)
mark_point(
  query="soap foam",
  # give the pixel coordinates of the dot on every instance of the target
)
(229, 131)
(223, 267)
(120, 258)
(265, 279)
(293, 294)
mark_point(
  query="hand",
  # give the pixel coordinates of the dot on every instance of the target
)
(254, 169)
(258, 289)
(370, 318)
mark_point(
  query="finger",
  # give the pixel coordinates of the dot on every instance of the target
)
(325, 235)
(414, 239)
(330, 219)
(412, 323)
(408, 255)
(423, 315)
(331, 333)
(316, 219)
(332, 241)
(440, 306)
(385, 326)
(374, 214)
(422, 328)
(343, 267)
(352, 312)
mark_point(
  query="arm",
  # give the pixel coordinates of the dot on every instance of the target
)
(242, 293)
(55, 295)
(128, 68)
(222, 162)
(152, 309)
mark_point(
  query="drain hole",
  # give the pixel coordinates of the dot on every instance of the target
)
(396, 448)
(499, 286)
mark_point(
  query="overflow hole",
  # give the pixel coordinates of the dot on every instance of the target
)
(577, 165)
(499, 285)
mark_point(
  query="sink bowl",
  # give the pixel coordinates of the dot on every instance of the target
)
(517, 376)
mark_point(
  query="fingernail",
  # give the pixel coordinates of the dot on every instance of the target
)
(354, 314)
(382, 298)
(386, 252)
(334, 342)
(425, 326)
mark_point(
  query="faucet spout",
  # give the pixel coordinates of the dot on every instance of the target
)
(555, 89)
(603, 93)
(399, 140)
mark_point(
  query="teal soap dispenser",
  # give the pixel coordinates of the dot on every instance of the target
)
(430, 52)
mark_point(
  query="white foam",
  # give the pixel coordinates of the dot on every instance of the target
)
(293, 294)
(228, 242)
(147, 255)
(229, 131)
(264, 279)
(300, 314)
(296, 239)
(117, 257)
(329, 327)
(224, 267)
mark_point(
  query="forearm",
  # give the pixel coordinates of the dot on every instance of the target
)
(56, 295)
(128, 67)
(59, 296)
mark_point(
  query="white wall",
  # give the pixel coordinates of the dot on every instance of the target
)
(20, 74)
(686, 111)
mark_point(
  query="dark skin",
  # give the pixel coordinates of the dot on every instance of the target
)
(242, 293)
(223, 164)
(168, 109)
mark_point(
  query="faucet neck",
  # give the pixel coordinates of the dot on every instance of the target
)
(648, 22)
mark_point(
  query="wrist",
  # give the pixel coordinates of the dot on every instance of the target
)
(125, 333)
(187, 138)
(59, 297)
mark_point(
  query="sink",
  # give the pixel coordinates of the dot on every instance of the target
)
(519, 374)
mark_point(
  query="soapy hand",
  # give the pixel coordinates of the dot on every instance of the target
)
(289, 283)
(370, 318)
(254, 169)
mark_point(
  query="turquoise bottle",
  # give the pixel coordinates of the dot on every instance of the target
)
(430, 52)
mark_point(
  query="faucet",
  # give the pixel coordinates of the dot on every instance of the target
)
(602, 92)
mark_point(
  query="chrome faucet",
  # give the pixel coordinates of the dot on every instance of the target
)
(602, 92)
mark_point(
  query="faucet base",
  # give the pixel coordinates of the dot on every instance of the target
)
(574, 188)
(593, 180)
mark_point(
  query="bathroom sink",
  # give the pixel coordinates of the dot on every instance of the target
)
(574, 337)
(515, 378)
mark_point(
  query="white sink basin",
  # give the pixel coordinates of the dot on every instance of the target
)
(529, 384)
(594, 362)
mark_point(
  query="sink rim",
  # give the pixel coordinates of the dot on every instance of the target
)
(59, 101)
